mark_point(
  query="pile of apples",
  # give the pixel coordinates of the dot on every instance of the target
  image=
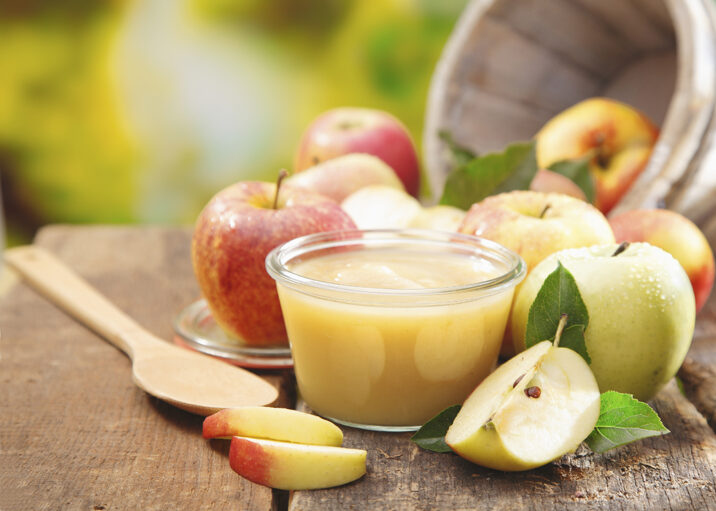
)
(357, 168)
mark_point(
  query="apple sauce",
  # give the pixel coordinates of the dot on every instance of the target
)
(386, 330)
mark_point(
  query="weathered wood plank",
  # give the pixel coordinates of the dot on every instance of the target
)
(676, 471)
(75, 432)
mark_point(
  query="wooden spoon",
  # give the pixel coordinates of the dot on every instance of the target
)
(186, 379)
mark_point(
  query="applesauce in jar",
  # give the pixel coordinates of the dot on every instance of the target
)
(388, 328)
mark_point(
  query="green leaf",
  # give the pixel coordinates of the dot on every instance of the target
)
(578, 171)
(432, 435)
(490, 174)
(558, 295)
(622, 420)
(460, 155)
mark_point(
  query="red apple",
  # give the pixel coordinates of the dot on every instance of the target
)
(549, 181)
(619, 137)
(677, 235)
(233, 234)
(361, 130)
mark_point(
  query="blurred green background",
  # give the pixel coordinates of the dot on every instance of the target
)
(139, 111)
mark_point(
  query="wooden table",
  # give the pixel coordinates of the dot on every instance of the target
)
(75, 433)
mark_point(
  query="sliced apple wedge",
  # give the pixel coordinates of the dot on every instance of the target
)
(531, 410)
(287, 466)
(281, 424)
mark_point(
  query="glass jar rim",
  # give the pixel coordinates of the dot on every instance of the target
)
(277, 259)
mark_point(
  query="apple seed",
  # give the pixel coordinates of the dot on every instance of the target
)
(533, 392)
(518, 380)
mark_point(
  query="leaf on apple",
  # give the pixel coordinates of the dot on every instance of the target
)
(578, 171)
(460, 155)
(559, 295)
(431, 436)
(512, 169)
(622, 420)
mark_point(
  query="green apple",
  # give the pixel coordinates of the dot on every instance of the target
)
(288, 466)
(339, 177)
(534, 408)
(281, 424)
(641, 313)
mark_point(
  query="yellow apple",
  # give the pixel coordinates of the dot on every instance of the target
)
(440, 217)
(531, 410)
(641, 313)
(288, 466)
(281, 424)
(381, 207)
(676, 234)
(619, 137)
(536, 224)
(339, 177)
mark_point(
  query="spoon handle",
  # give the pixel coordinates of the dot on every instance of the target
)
(52, 278)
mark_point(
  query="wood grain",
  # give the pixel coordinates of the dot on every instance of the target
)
(114, 447)
(676, 471)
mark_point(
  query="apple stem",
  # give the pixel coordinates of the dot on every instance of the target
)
(621, 248)
(560, 327)
(282, 174)
(541, 215)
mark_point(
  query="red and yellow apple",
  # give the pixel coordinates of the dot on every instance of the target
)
(288, 466)
(676, 234)
(361, 130)
(619, 137)
(232, 236)
(282, 424)
(549, 181)
(535, 225)
(339, 177)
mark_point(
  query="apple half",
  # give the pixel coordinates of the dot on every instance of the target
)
(536, 407)
(287, 466)
(281, 424)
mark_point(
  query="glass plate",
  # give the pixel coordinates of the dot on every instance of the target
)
(196, 329)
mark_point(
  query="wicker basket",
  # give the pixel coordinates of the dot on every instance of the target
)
(510, 65)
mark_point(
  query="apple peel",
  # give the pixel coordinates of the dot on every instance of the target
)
(287, 466)
(282, 424)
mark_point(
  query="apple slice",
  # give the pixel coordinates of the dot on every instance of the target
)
(287, 466)
(531, 410)
(274, 424)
